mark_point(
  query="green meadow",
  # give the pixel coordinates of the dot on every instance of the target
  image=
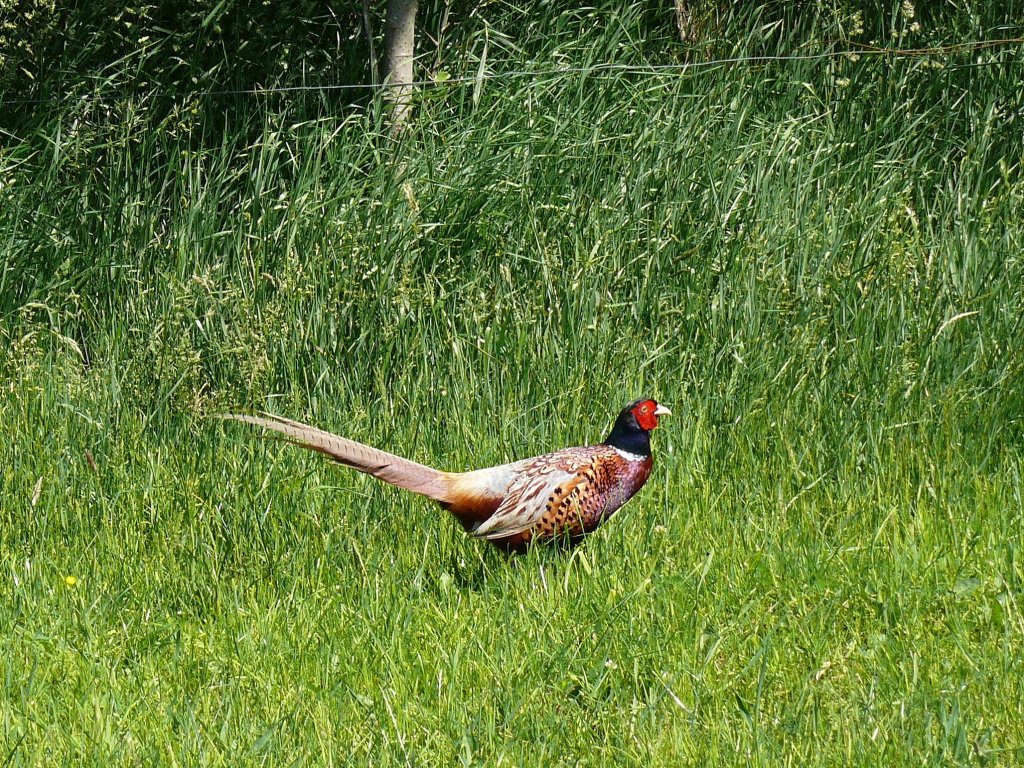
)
(818, 264)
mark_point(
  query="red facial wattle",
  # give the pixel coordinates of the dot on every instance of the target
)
(646, 415)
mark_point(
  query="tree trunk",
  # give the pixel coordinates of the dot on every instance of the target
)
(400, 42)
(696, 19)
(685, 21)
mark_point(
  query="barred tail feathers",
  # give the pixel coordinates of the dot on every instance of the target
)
(385, 466)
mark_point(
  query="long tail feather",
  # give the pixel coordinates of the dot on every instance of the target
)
(383, 465)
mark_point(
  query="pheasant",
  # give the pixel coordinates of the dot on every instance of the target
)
(561, 496)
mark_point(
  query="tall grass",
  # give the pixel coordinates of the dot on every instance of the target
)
(819, 263)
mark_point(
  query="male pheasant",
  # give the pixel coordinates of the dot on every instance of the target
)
(559, 496)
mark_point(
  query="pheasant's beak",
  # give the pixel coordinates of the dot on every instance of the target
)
(662, 410)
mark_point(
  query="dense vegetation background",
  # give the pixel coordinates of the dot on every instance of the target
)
(816, 261)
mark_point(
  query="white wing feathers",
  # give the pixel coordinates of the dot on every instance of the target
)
(526, 499)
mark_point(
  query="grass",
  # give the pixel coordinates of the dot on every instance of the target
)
(823, 281)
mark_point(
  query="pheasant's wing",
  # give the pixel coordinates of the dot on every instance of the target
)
(538, 488)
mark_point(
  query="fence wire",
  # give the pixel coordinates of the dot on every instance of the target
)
(852, 53)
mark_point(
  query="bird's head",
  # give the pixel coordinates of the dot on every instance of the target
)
(632, 430)
(645, 413)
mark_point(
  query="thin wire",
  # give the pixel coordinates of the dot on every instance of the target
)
(861, 50)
